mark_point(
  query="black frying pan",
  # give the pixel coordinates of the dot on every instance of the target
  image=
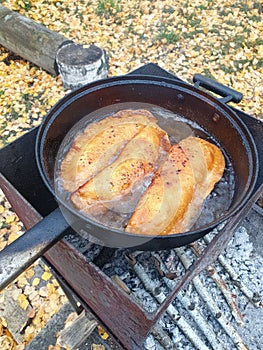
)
(216, 120)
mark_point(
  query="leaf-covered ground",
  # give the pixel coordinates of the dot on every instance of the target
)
(219, 38)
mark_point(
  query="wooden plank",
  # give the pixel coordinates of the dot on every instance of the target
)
(30, 40)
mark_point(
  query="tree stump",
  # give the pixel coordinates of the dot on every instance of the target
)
(79, 65)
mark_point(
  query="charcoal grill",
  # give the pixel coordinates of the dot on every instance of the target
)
(128, 324)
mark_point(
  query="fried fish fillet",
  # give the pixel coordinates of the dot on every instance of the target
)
(96, 147)
(173, 201)
(138, 159)
(208, 164)
(166, 199)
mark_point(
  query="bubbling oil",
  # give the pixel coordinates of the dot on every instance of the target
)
(115, 213)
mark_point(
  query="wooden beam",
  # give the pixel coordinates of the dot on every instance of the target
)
(30, 40)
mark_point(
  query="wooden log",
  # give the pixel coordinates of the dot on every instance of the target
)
(77, 332)
(30, 40)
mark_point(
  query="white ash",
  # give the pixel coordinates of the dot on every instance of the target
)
(243, 258)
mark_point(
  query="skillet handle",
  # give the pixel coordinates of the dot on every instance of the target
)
(218, 88)
(21, 253)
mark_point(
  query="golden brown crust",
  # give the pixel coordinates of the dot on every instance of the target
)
(173, 201)
(137, 159)
(165, 201)
(96, 147)
(208, 166)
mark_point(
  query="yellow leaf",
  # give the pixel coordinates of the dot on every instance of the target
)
(29, 333)
(10, 218)
(22, 301)
(21, 281)
(43, 292)
(12, 237)
(51, 288)
(3, 321)
(3, 244)
(55, 283)
(104, 335)
(15, 228)
(35, 281)
(2, 209)
(29, 273)
(46, 276)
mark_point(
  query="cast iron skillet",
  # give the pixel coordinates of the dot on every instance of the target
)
(195, 105)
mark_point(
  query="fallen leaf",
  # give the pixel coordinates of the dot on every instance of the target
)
(10, 218)
(43, 292)
(3, 321)
(29, 273)
(12, 237)
(35, 281)
(46, 276)
(104, 335)
(22, 301)
(3, 244)
(21, 281)
(97, 347)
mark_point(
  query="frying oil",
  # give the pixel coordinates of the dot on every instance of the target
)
(115, 213)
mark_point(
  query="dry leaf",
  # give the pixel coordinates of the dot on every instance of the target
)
(43, 292)
(10, 218)
(20, 347)
(15, 292)
(104, 335)
(35, 281)
(12, 237)
(46, 276)
(97, 347)
(3, 244)
(51, 288)
(29, 273)
(22, 301)
(3, 322)
(30, 333)
(2, 209)
(22, 281)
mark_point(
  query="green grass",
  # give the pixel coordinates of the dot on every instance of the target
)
(107, 8)
(169, 35)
